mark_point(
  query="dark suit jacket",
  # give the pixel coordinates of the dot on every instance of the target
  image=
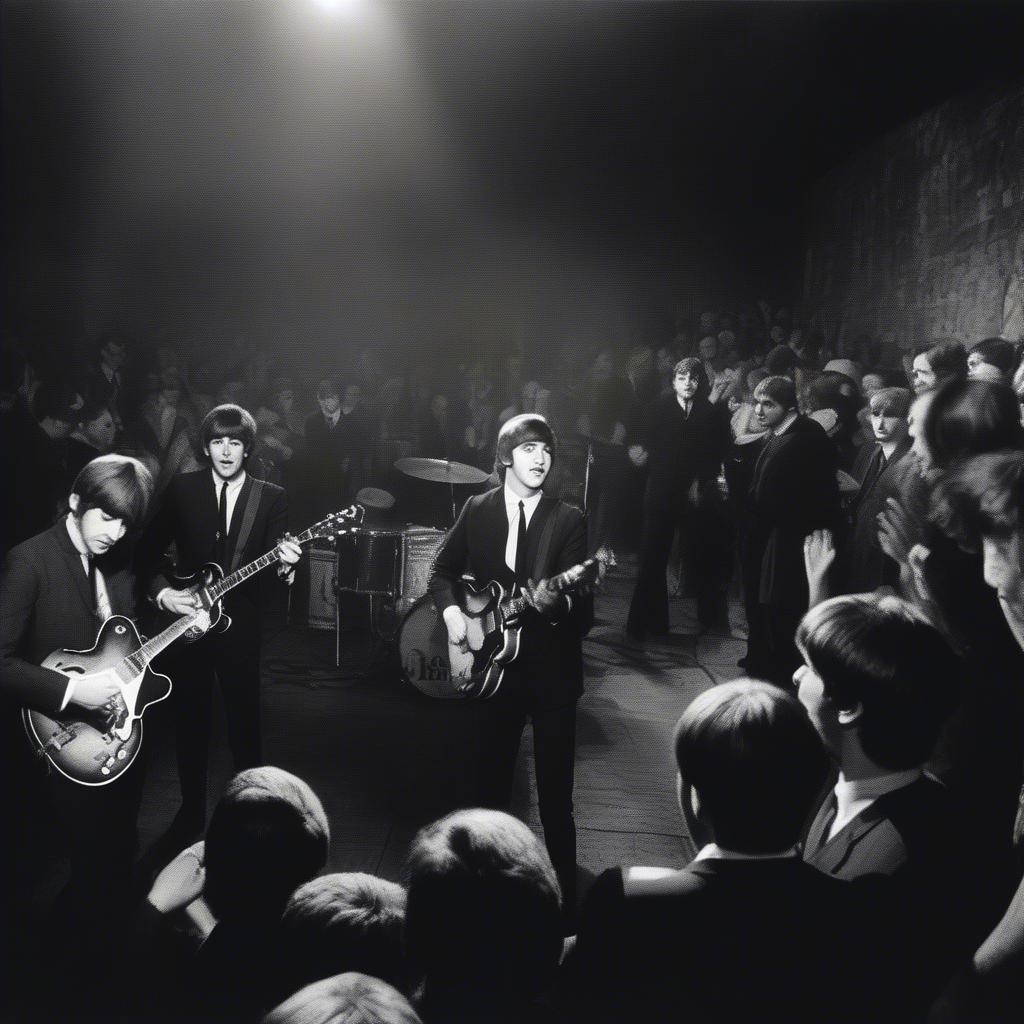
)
(725, 940)
(867, 565)
(188, 517)
(682, 449)
(917, 837)
(549, 668)
(793, 492)
(46, 604)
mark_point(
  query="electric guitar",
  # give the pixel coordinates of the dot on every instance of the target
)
(493, 625)
(209, 584)
(96, 747)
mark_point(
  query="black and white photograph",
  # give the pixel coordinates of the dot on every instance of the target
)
(512, 511)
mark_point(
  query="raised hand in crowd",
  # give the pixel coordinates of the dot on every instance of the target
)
(819, 556)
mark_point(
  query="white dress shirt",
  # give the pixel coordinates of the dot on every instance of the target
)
(512, 511)
(715, 852)
(234, 489)
(856, 796)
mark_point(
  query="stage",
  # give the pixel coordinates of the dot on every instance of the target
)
(386, 760)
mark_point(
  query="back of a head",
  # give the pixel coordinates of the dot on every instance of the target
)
(483, 905)
(997, 352)
(343, 922)
(883, 658)
(268, 834)
(970, 417)
(982, 497)
(756, 761)
(350, 998)
(948, 359)
(781, 361)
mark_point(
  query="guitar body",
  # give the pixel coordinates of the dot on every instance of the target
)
(433, 666)
(199, 583)
(98, 747)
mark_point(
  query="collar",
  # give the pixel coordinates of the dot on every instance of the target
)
(234, 486)
(715, 852)
(332, 420)
(76, 535)
(785, 424)
(850, 792)
(529, 504)
(889, 449)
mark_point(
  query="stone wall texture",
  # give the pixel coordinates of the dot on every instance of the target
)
(921, 235)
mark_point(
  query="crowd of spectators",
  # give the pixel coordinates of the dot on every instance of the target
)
(857, 814)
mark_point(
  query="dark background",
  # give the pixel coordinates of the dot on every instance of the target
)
(321, 175)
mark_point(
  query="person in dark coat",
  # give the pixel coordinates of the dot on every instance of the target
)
(219, 515)
(879, 468)
(684, 443)
(879, 682)
(515, 534)
(793, 493)
(747, 931)
(57, 589)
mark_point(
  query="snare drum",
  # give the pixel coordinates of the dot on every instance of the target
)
(370, 561)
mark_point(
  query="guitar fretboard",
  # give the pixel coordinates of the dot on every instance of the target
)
(561, 583)
(222, 586)
(137, 661)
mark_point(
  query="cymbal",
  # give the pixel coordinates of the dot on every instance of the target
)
(375, 498)
(439, 471)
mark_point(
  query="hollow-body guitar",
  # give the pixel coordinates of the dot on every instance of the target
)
(96, 747)
(493, 626)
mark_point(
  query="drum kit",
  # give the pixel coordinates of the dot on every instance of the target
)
(391, 565)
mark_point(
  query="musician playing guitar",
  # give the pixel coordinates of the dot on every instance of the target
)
(218, 514)
(515, 534)
(57, 588)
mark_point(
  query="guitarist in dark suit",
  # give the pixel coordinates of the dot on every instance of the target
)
(515, 534)
(220, 515)
(57, 589)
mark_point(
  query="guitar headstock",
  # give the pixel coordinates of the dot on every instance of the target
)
(336, 523)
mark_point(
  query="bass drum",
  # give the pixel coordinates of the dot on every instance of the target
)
(423, 646)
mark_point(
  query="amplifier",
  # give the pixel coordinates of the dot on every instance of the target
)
(323, 600)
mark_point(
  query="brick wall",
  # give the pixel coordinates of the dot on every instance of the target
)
(921, 235)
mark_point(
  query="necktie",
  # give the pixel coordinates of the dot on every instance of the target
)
(521, 547)
(93, 590)
(874, 470)
(222, 526)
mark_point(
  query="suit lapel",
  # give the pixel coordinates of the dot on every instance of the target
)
(237, 515)
(545, 508)
(74, 561)
(835, 852)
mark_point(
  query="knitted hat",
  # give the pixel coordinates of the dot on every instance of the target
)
(527, 427)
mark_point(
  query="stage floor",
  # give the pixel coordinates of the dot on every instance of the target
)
(386, 760)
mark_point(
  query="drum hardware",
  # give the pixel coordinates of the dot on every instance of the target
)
(441, 471)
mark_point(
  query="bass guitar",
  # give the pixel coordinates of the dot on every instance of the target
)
(493, 616)
(94, 748)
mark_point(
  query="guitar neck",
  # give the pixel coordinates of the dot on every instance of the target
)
(138, 660)
(561, 583)
(222, 586)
